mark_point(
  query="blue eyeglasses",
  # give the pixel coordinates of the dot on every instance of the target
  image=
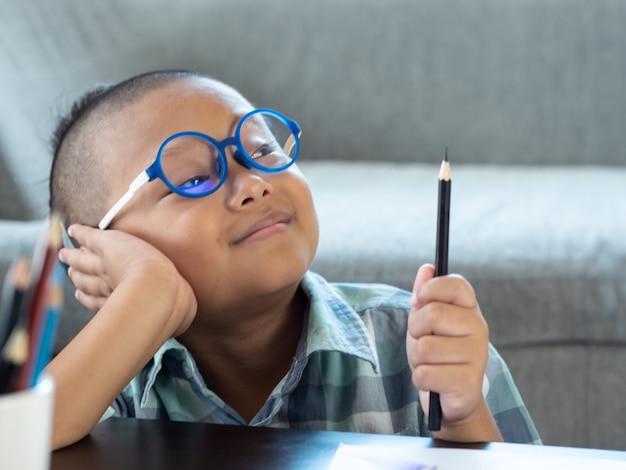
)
(193, 165)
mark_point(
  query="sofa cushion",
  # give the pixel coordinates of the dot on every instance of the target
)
(573, 384)
(543, 247)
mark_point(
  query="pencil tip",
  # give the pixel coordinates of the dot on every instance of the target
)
(21, 273)
(16, 347)
(56, 234)
(444, 171)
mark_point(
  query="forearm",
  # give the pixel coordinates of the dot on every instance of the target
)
(121, 338)
(478, 427)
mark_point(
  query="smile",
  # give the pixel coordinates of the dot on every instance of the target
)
(265, 228)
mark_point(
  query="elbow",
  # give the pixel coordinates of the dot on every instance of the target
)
(66, 435)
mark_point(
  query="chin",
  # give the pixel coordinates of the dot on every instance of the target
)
(284, 272)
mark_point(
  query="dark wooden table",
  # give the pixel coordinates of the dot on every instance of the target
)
(119, 444)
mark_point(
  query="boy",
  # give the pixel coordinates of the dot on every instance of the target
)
(205, 307)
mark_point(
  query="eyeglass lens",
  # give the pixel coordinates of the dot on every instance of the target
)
(191, 162)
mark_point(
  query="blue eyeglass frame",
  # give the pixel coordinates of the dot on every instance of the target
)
(155, 170)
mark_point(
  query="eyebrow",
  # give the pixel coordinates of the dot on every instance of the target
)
(235, 122)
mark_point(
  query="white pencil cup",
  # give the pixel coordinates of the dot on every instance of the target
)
(26, 427)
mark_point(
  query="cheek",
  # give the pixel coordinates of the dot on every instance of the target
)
(312, 227)
(188, 239)
(193, 251)
(201, 263)
(307, 213)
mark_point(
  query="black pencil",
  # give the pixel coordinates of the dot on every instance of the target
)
(12, 358)
(13, 297)
(441, 265)
(14, 347)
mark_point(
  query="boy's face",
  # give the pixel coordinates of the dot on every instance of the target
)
(254, 237)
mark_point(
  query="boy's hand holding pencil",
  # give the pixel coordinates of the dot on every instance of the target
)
(448, 341)
(447, 347)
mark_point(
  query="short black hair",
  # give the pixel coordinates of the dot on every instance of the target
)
(77, 189)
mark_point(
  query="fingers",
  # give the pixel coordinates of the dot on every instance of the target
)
(81, 259)
(461, 389)
(444, 306)
(447, 341)
(432, 350)
(92, 284)
(424, 274)
(454, 380)
(438, 318)
(85, 236)
(440, 332)
(86, 269)
(91, 290)
(88, 257)
(442, 363)
(450, 289)
(452, 366)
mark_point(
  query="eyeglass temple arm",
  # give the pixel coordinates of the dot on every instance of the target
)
(137, 183)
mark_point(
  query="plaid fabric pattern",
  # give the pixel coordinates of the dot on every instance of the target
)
(350, 373)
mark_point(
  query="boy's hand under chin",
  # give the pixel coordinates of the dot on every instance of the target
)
(108, 258)
(141, 300)
(447, 348)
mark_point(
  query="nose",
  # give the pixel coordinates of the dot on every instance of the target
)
(246, 186)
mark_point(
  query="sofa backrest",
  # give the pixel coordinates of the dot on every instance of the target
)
(498, 82)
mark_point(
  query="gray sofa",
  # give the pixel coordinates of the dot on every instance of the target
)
(528, 95)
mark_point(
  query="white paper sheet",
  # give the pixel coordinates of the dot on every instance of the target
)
(406, 458)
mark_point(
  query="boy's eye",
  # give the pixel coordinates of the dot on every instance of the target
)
(191, 164)
(194, 181)
(264, 150)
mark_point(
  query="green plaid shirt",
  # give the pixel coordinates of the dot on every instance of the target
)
(350, 373)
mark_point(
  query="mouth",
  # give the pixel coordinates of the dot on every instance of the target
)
(265, 228)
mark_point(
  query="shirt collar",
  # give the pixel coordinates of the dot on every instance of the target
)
(333, 324)
(150, 373)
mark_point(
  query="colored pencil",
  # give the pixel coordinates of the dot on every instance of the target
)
(441, 265)
(44, 260)
(43, 353)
